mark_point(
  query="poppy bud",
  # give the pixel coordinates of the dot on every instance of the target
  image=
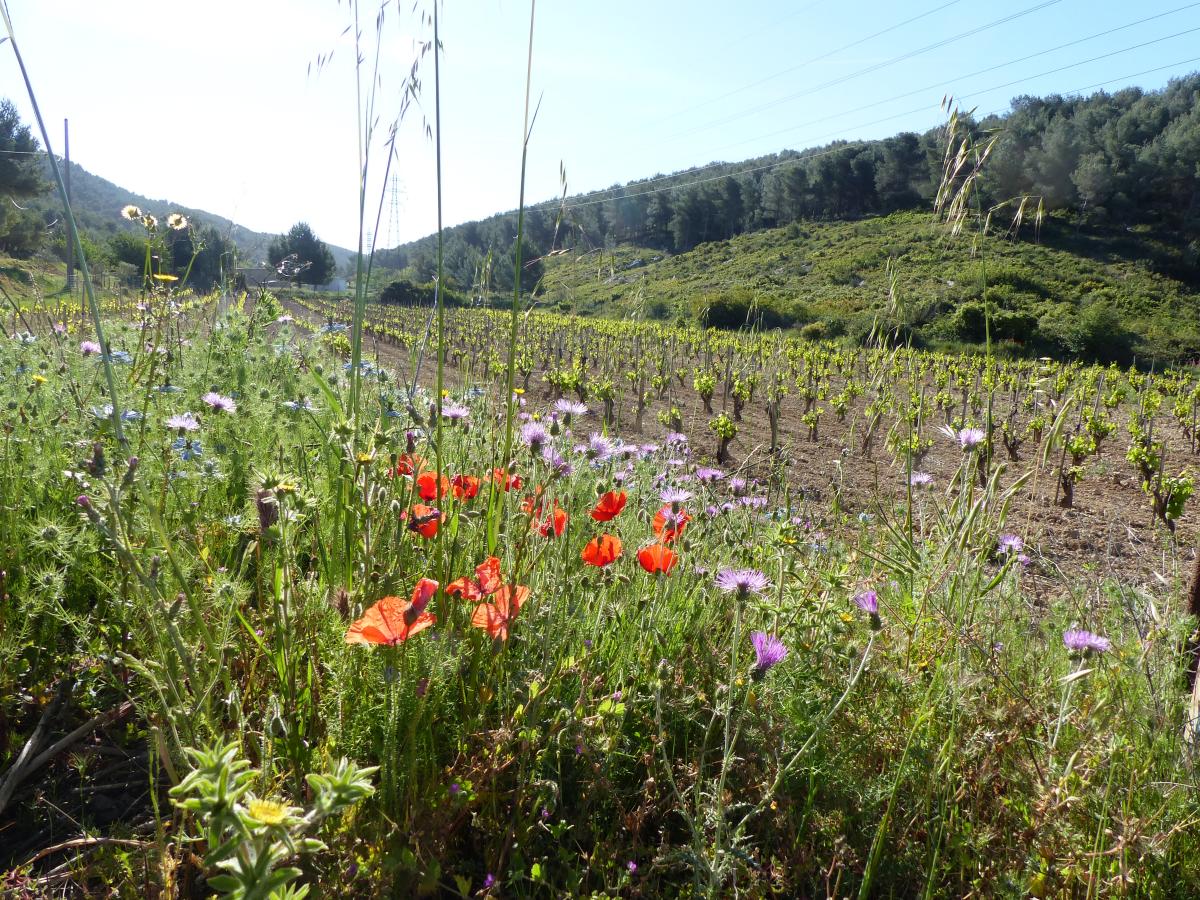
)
(268, 508)
(97, 465)
(130, 471)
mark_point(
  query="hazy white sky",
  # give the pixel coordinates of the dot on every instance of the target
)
(212, 104)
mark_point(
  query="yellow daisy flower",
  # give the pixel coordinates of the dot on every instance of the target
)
(268, 812)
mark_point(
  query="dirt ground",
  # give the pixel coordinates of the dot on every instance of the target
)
(1109, 532)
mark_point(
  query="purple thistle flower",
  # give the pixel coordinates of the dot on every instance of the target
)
(867, 601)
(970, 438)
(706, 475)
(1080, 640)
(674, 438)
(737, 484)
(555, 461)
(753, 502)
(489, 882)
(183, 422)
(1010, 543)
(534, 434)
(674, 495)
(920, 479)
(87, 348)
(648, 450)
(768, 651)
(598, 447)
(570, 407)
(220, 402)
(631, 866)
(455, 412)
(742, 582)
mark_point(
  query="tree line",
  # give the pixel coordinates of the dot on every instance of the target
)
(1120, 160)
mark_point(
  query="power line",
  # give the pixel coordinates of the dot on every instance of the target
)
(873, 68)
(848, 146)
(808, 62)
(715, 165)
(775, 22)
(982, 71)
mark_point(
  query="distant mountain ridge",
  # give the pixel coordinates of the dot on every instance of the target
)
(97, 203)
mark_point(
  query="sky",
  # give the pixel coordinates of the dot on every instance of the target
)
(223, 106)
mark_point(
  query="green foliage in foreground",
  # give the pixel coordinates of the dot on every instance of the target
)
(1069, 293)
(625, 738)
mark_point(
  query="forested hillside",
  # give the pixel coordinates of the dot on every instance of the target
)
(1103, 295)
(1111, 273)
(1124, 159)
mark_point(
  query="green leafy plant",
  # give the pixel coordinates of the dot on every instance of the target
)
(248, 839)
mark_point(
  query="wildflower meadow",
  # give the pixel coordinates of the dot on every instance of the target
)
(312, 596)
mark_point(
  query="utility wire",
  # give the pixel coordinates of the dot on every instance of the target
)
(867, 106)
(807, 62)
(774, 23)
(847, 146)
(997, 87)
(867, 70)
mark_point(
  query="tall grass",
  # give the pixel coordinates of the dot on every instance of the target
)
(622, 733)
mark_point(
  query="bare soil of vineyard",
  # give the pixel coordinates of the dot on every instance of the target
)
(1108, 532)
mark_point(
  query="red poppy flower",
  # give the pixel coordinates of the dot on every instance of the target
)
(498, 615)
(466, 487)
(602, 550)
(506, 481)
(486, 581)
(431, 486)
(609, 506)
(657, 558)
(406, 465)
(553, 524)
(669, 525)
(425, 520)
(391, 621)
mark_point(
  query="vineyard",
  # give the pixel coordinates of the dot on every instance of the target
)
(1110, 453)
